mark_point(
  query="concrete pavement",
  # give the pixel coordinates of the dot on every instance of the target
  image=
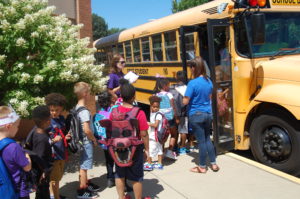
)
(235, 180)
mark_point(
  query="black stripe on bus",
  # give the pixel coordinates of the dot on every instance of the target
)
(153, 64)
(144, 90)
(171, 79)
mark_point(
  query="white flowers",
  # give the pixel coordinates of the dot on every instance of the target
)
(37, 79)
(1, 72)
(34, 34)
(20, 41)
(46, 51)
(25, 77)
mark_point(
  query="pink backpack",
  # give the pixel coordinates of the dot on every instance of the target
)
(122, 136)
(161, 135)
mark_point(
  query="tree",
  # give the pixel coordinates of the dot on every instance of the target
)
(41, 53)
(100, 28)
(185, 4)
(115, 30)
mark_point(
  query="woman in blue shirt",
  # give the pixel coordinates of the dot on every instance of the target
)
(198, 97)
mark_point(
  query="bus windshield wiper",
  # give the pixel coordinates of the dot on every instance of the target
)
(282, 51)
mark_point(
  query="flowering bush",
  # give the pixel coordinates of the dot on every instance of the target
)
(41, 53)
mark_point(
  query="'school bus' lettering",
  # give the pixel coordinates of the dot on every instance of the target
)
(140, 71)
(286, 2)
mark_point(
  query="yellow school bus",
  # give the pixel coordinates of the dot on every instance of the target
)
(252, 51)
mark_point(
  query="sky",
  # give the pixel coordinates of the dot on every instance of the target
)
(130, 13)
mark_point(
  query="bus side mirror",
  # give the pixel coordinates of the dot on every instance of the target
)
(258, 28)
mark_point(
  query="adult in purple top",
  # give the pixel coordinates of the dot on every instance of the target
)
(116, 73)
(15, 160)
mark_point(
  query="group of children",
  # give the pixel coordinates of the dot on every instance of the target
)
(46, 145)
(167, 102)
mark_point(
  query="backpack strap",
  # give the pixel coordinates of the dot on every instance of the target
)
(5, 142)
(81, 108)
(133, 112)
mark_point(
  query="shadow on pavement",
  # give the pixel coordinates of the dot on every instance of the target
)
(70, 189)
(151, 188)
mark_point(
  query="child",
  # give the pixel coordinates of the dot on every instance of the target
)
(155, 148)
(56, 103)
(135, 172)
(167, 107)
(105, 102)
(178, 91)
(86, 188)
(13, 156)
(41, 146)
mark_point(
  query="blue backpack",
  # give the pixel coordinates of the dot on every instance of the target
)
(99, 131)
(7, 189)
(165, 106)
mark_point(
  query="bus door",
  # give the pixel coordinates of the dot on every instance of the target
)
(220, 64)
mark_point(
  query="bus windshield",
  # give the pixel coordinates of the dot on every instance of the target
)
(282, 35)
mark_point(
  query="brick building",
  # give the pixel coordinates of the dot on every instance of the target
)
(79, 12)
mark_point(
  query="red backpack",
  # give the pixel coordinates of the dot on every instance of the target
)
(162, 133)
(122, 135)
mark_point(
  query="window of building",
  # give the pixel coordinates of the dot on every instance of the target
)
(171, 46)
(128, 52)
(136, 50)
(157, 49)
(146, 49)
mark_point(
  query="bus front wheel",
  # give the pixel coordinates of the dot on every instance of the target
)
(276, 142)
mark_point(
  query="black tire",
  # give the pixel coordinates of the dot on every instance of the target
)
(276, 142)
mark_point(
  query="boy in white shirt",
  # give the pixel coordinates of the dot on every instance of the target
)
(155, 147)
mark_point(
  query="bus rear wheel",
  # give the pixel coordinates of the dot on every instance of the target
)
(276, 142)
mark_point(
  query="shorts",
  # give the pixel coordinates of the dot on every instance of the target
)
(136, 171)
(172, 123)
(57, 170)
(155, 148)
(183, 125)
(86, 156)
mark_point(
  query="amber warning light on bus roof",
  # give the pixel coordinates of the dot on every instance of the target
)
(254, 3)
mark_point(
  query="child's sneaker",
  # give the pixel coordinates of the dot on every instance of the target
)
(193, 149)
(148, 167)
(93, 187)
(170, 154)
(86, 194)
(182, 151)
(158, 166)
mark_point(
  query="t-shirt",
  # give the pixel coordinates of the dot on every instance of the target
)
(58, 148)
(85, 116)
(113, 81)
(152, 121)
(14, 159)
(180, 110)
(41, 146)
(143, 125)
(199, 91)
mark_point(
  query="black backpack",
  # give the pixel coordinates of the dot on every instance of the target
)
(73, 126)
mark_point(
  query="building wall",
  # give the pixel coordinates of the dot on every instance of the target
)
(79, 12)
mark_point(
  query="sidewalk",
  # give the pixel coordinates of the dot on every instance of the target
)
(235, 180)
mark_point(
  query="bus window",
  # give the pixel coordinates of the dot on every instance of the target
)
(189, 46)
(136, 50)
(157, 51)
(171, 46)
(120, 49)
(114, 49)
(146, 49)
(128, 52)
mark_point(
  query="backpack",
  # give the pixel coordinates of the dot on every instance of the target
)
(165, 106)
(99, 131)
(7, 189)
(122, 136)
(181, 109)
(162, 133)
(73, 125)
